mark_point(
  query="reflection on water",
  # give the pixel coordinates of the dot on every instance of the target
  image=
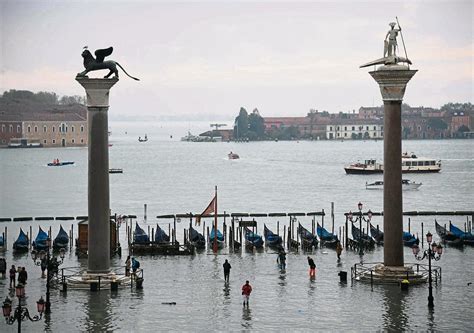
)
(246, 317)
(395, 316)
(98, 313)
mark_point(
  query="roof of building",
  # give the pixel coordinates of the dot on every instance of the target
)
(16, 110)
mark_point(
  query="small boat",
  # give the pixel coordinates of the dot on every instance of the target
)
(40, 241)
(145, 139)
(61, 240)
(160, 236)
(409, 239)
(196, 239)
(115, 170)
(21, 243)
(308, 239)
(467, 237)
(327, 238)
(219, 238)
(252, 239)
(271, 239)
(377, 234)
(60, 163)
(447, 236)
(140, 236)
(233, 156)
(362, 238)
(406, 185)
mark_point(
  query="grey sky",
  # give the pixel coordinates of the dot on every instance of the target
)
(210, 58)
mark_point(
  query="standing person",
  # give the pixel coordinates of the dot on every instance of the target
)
(135, 265)
(128, 264)
(338, 250)
(43, 267)
(12, 276)
(3, 267)
(281, 260)
(227, 268)
(22, 276)
(246, 290)
(312, 267)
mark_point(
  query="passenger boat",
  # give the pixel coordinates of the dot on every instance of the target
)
(406, 185)
(446, 236)
(21, 243)
(362, 238)
(467, 237)
(376, 234)
(327, 238)
(40, 242)
(219, 238)
(140, 236)
(271, 239)
(409, 239)
(233, 156)
(252, 239)
(60, 163)
(410, 164)
(160, 236)
(145, 139)
(196, 239)
(308, 239)
(61, 240)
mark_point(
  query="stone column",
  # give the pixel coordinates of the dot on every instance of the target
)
(392, 80)
(97, 91)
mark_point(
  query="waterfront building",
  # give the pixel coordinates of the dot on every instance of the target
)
(353, 129)
(43, 125)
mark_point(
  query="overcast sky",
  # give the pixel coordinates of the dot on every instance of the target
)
(207, 59)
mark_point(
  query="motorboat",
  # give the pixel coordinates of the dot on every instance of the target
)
(406, 185)
(57, 163)
(233, 156)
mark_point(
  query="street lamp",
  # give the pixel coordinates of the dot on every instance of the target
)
(360, 217)
(51, 266)
(21, 313)
(434, 252)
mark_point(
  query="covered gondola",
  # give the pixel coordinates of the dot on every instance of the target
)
(327, 238)
(160, 236)
(62, 240)
(196, 239)
(218, 237)
(446, 236)
(252, 239)
(409, 239)
(362, 238)
(271, 239)
(140, 236)
(467, 237)
(377, 234)
(308, 239)
(21, 243)
(40, 242)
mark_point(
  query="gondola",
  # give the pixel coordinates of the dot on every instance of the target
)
(446, 236)
(40, 241)
(196, 239)
(62, 240)
(308, 239)
(409, 239)
(271, 240)
(160, 236)
(219, 239)
(140, 236)
(377, 234)
(327, 238)
(21, 243)
(362, 238)
(252, 239)
(467, 237)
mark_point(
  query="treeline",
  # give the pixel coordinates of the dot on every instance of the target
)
(249, 126)
(42, 97)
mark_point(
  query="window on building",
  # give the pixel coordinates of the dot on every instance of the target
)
(53, 129)
(330, 128)
(338, 134)
(45, 129)
(63, 128)
(375, 128)
(82, 140)
(367, 128)
(36, 129)
(345, 128)
(82, 128)
(18, 128)
(3, 141)
(353, 128)
(381, 128)
(337, 128)
(72, 128)
(54, 141)
(10, 128)
(72, 141)
(3, 128)
(375, 134)
(345, 134)
(29, 129)
(44, 141)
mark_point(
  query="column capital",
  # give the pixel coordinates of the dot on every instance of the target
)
(97, 90)
(392, 80)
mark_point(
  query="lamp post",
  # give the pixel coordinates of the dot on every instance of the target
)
(51, 266)
(360, 218)
(21, 313)
(434, 252)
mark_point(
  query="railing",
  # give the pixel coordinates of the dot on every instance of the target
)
(419, 272)
(75, 275)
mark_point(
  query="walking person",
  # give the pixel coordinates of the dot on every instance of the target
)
(43, 267)
(3, 267)
(12, 276)
(128, 264)
(338, 250)
(22, 276)
(312, 267)
(246, 290)
(227, 268)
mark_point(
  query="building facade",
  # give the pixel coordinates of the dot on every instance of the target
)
(354, 129)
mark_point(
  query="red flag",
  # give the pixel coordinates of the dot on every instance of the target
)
(209, 209)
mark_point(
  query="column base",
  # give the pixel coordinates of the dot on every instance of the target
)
(102, 280)
(381, 274)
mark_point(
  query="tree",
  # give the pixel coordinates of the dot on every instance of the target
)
(436, 123)
(256, 125)
(463, 128)
(241, 126)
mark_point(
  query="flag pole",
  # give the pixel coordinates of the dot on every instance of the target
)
(215, 221)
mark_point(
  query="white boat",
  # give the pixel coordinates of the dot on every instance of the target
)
(233, 156)
(406, 185)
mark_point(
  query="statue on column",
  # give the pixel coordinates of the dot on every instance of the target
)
(98, 63)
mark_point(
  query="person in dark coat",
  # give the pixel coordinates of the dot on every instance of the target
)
(227, 268)
(12, 276)
(3, 267)
(312, 267)
(22, 276)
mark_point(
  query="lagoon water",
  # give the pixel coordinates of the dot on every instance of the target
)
(177, 177)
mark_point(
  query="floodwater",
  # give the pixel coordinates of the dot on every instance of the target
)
(177, 177)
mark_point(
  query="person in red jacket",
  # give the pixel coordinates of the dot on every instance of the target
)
(246, 290)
